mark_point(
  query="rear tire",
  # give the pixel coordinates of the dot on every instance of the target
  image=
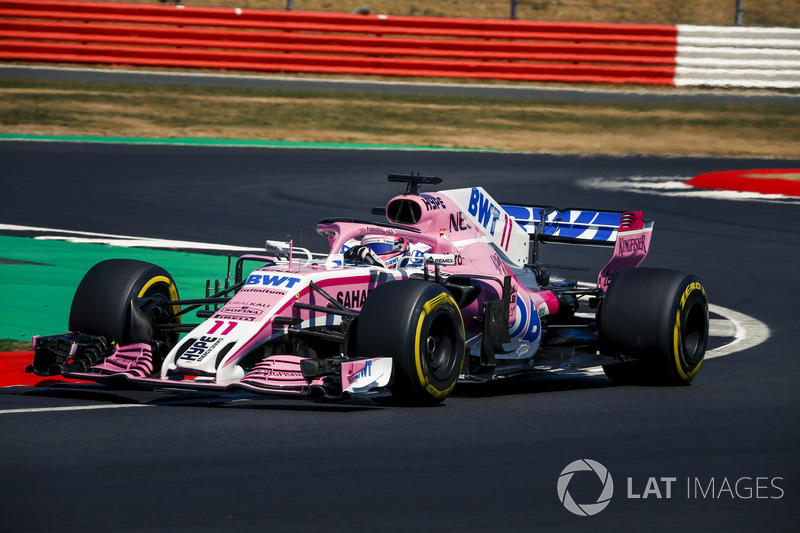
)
(103, 303)
(658, 317)
(418, 324)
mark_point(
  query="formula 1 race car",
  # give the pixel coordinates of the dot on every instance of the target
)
(449, 288)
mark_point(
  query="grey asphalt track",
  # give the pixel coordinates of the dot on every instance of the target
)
(489, 459)
(595, 94)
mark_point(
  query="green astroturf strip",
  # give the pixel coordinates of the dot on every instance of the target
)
(251, 143)
(35, 298)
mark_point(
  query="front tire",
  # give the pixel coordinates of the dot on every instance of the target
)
(659, 318)
(106, 300)
(418, 324)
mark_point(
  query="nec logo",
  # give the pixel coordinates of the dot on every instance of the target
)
(483, 210)
(272, 280)
(459, 222)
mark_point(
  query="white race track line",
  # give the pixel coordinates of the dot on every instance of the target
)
(123, 241)
(676, 187)
(747, 331)
(71, 408)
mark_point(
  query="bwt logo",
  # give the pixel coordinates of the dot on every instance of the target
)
(585, 509)
(272, 281)
(365, 372)
(483, 210)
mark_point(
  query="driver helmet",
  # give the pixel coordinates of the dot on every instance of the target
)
(389, 249)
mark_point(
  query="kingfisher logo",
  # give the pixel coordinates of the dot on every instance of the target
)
(632, 245)
(585, 509)
(275, 280)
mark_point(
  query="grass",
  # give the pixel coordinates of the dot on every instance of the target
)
(72, 108)
(10, 345)
(703, 12)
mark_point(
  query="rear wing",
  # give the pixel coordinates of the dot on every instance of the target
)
(568, 226)
(628, 232)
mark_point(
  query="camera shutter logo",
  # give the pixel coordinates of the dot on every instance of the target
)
(587, 509)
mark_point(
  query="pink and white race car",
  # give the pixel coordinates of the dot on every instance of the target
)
(448, 288)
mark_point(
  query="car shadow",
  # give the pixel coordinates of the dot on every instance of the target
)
(185, 398)
(532, 384)
(94, 392)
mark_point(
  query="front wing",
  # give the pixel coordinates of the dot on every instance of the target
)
(91, 358)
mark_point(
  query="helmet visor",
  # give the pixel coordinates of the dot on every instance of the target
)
(381, 248)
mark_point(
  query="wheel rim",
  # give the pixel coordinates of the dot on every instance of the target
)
(694, 333)
(440, 353)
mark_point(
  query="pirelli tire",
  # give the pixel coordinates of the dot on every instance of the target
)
(659, 318)
(419, 325)
(124, 300)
